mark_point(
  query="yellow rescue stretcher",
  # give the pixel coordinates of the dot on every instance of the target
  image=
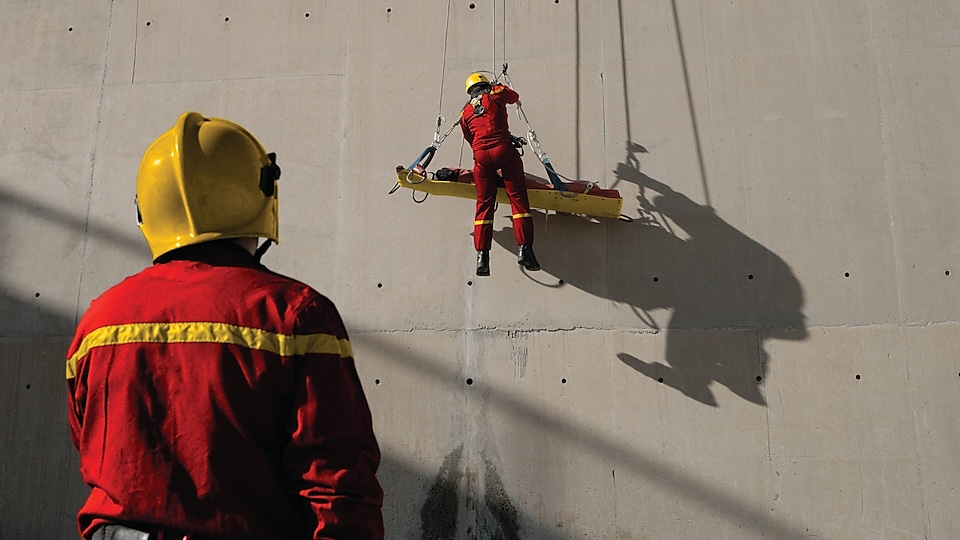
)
(578, 197)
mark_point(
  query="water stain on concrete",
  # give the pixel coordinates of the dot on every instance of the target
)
(438, 515)
(490, 514)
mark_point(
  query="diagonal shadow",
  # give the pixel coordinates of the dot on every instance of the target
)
(11, 202)
(663, 476)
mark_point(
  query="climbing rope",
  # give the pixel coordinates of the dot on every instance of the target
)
(443, 72)
(438, 139)
(535, 144)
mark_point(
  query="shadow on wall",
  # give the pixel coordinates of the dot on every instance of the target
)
(38, 463)
(727, 294)
(25, 316)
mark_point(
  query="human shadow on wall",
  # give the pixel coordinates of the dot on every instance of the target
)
(725, 293)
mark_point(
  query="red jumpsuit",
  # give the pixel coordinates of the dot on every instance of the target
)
(489, 137)
(209, 395)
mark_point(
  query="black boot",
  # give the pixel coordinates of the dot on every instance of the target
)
(527, 259)
(483, 262)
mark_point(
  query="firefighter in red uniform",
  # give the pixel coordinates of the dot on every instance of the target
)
(209, 397)
(484, 125)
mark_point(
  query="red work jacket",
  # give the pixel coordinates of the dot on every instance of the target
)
(488, 129)
(210, 395)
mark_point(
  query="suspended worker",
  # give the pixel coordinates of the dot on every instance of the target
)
(209, 397)
(484, 125)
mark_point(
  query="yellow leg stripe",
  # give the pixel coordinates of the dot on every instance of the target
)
(519, 216)
(208, 332)
(483, 222)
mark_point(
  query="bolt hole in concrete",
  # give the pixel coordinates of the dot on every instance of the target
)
(226, 19)
(469, 284)
(469, 381)
(389, 10)
(473, 6)
(947, 273)
(70, 29)
(750, 276)
(858, 377)
(28, 387)
(148, 23)
(759, 378)
(376, 382)
(379, 285)
(563, 381)
(656, 279)
(306, 14)
(846, 274)
(660, 379)
(38, 295)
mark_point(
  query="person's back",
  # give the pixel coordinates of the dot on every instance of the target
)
(212, 398)
(490, 128)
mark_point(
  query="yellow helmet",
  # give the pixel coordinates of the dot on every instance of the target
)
(476, 78)
(205, 179)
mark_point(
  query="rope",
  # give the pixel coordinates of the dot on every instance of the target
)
(503, 33)
(493, 39)
(437, 138)
(535, 142)
(443, 72)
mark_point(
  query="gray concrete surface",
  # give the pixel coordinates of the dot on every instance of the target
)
(770, 349)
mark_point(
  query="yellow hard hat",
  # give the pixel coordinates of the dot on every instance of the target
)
(206, 179)
(476, 78)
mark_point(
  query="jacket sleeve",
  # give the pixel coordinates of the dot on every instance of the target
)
(504, 95)
(76, 393)
(467, 134)
(333, 456)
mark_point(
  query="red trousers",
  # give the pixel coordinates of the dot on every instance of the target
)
(486, 163)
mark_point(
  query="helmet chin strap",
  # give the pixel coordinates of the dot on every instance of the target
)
(258, 254)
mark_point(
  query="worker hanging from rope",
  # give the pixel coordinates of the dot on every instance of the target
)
(484, 124)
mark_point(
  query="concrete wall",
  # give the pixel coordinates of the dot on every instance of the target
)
(770, 349)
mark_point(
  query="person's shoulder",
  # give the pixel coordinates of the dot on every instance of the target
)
(117, 295)
(294, 287)
(273, 279)
(123, 286)
(316, 313)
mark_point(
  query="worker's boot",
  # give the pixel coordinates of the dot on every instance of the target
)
(483, 262)
(527, 259)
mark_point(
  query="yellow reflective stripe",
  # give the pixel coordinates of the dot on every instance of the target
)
(208, 332)
(483, 222)
(518, 216)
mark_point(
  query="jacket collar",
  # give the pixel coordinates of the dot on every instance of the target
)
(218, 252)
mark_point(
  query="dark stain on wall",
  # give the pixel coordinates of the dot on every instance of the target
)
(494, 515)
(500, 506)
(439, 513)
